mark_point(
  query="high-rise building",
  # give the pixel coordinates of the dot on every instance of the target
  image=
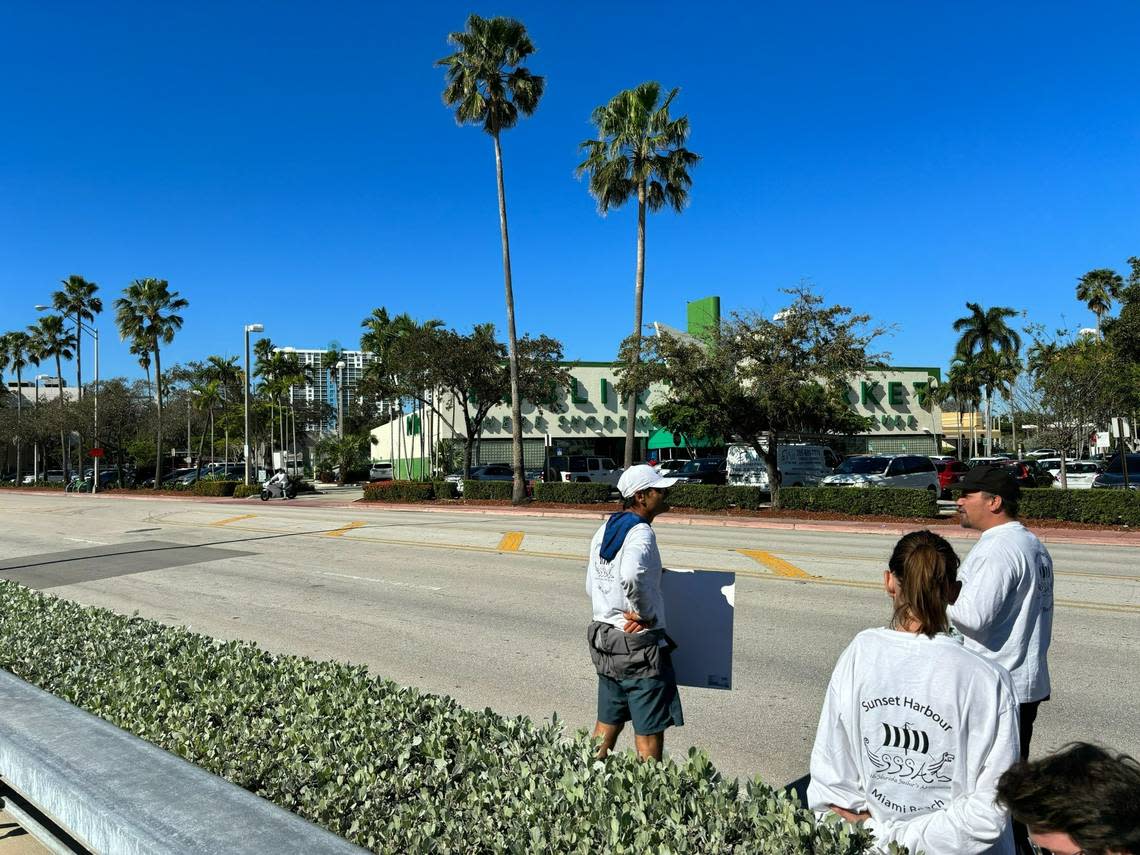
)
(322, 383)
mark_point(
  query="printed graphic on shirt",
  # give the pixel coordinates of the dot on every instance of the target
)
(908, 764)
(1045, 581)
(603, 574)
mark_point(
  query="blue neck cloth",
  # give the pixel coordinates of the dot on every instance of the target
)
(617, 527)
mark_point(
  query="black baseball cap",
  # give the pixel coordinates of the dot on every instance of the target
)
(990, 478)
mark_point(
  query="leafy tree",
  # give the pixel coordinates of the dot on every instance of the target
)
(51, 340)
(964, 388)
(985, 332)
(639, 152)
(343, 453)
(147, 315)
(1097, 289)
(16, 352)
(488, 86)
(77, 300)
(755, 379)
(1123, 332)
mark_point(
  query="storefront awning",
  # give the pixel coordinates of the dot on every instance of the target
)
(663, 438)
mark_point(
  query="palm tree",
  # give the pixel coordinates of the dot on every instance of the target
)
(639, 152)
(486, 85)
(16, 353)
(962, 388)
(204, 397)
(141, 350)
(147, 313)
(985, 331)
(77, 301)
(332, 355)
(224, 370)
(1097, 289)
(50, 339)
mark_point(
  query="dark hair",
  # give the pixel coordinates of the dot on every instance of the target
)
(926, 568)
(1009, 504)
(1082, 791)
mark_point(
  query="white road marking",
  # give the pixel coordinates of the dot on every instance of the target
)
(381, 581)
(85, 540)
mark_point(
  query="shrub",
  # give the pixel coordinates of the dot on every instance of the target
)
(242, 491)
(209, 487)
(886, 501)
(578, 493)
(1106, 506)
(399, 491)
(487, 489)
(714, 497)
(445, 489)
(390, 768)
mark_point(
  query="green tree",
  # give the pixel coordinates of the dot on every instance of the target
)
(754, 380)
(1097, 289)
(984, 332)
(77, 301)
(639, 152)
(16, 352)
(964, 389)
(148, 315)
(487, 85)
(51, 340)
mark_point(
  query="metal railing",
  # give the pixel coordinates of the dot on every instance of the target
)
(115, 794)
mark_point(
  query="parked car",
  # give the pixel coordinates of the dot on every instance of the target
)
(1113, 474)
(666, 466)
(800, 464)
(582, 467)
(703, 470)
(381, 472)
(1028, 473)
(1043, 452)
(880, 470)
(949, 472)
(53, 476)
(168, 478)
(1079, 474)
(980, 461)
(487, 472)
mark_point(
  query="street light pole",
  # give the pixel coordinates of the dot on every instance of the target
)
(340, 399)
(36, 446)
(248, 329)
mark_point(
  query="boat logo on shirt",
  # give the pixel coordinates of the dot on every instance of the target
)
(921, 769)
(905, 738)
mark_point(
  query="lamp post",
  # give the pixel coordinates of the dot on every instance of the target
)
(248, 329)
(94, 333)
(36, 446)
(340, 399)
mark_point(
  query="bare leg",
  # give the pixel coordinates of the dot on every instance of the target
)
(609, 734)
(650, 746)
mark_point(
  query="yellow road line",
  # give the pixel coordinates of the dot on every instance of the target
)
(229, 520)
(777, 565)
(511, 541)
(340, 532)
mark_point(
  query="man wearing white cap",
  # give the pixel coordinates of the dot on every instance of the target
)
(627, 637)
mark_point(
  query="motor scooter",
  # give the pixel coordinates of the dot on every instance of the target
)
(277, 490)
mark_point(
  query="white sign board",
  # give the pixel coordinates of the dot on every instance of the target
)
(1120, 427)
(699, 608)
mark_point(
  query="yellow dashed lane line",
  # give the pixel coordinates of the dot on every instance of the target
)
(229, 520)
(340, 532)
(777, 565)
(511, 541)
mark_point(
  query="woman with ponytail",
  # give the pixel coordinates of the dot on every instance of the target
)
(915, 729)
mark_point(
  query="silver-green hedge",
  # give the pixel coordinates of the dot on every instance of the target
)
(390, 768)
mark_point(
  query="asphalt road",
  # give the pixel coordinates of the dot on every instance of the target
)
(492, 609)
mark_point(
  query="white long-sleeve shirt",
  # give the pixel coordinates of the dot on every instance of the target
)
(1005, 609)
(631, 582)
(917, 731)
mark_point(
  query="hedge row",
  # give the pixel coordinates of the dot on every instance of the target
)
(712, 497)
(571, 492)
(389, 768)
(55, 485)
(886, 501)
(487, 489)
(241, 491)
(1109, 507)
(399, 491)
(209, 487)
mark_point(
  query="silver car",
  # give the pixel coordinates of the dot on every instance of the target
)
(882, 470)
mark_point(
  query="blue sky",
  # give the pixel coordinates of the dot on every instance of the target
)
(292, 164)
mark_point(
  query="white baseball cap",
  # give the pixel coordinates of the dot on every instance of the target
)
(642, 477)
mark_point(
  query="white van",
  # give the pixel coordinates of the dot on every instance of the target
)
(800, 465)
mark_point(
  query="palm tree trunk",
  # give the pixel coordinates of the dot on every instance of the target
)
(1013, 423)
(959, 433)
(635, 355)
(78, 360)
(158, 399)
(19, 420)
(213, 445)
(989, 426)
(518, 491)
(62, 418)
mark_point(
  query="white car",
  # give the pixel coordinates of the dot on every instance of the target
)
(1079, 474)
(883, 470)
(381, 472)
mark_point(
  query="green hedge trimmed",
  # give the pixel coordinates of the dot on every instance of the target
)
(571, 492)
(1105, 506)
(487, 489)
(207, 487)
(54, 485)
(884, 501)
(399, 491)
(390, 768)
(241, 491)
(714, 497)
(445, 489)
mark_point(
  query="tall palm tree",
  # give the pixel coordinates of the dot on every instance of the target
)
(77, 301)
(487, 86)
(148, 313)
(204, 397)
(639, 152)
(16, 353)
(982, 332)
(332, 355)
(1097, 289)
(224, 370)
(50, 339)
(962, 387)
(141, 351)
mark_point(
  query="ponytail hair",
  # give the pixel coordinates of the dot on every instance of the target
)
(925, 569)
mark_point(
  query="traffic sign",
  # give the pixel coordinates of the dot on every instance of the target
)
(96, 452)
(1119, 427)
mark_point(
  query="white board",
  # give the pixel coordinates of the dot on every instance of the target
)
(699, 607)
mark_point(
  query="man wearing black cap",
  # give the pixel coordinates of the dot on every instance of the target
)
(1005, 610)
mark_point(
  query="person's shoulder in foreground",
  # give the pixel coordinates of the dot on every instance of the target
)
(1083, 799)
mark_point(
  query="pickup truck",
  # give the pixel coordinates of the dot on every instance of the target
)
(580, 467)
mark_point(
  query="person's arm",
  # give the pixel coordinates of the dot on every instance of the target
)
(972, 823)
(637, 559)
(985, 596)
(835, 777)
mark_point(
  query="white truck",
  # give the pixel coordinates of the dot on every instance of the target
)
(801, 465)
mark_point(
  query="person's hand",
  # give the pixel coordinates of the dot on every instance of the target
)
(851, 816)
(633, 622)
